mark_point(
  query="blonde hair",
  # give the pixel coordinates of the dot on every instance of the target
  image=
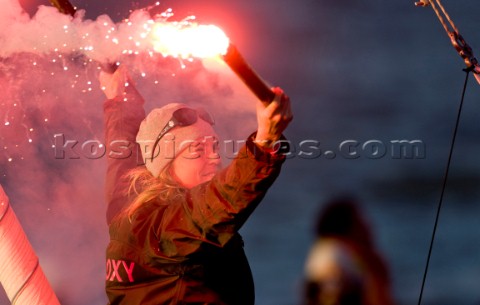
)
(145, 187)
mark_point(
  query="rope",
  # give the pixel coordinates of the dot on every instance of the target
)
(440, 17)
(462, 47)
(445, 178)
(447, 16)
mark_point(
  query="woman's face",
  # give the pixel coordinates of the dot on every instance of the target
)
(197, 163)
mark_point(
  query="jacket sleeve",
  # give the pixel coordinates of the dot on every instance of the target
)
(213, 212)
(122, 117)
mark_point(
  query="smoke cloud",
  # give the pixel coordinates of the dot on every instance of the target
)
(49, 66)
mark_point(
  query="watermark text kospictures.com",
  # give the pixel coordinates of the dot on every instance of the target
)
(65, 148)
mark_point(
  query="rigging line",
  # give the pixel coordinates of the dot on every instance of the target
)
(458, 42)
(447, 16)
(445, 178)
(440, 17)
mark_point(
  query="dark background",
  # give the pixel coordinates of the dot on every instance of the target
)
(355, 70)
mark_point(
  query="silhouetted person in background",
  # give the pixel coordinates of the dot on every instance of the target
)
(343, 266)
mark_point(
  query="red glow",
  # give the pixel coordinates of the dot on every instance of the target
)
(192, 41)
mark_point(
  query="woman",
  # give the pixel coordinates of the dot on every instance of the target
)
(174, 238)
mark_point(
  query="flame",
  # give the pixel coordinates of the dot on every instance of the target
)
(178, 40)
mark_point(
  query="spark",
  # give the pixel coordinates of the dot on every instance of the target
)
(155, 37)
